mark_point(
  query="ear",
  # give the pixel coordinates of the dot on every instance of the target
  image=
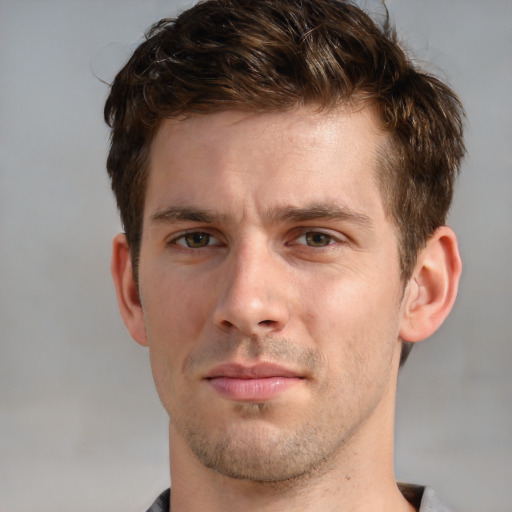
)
(127, 291)
(431, 291)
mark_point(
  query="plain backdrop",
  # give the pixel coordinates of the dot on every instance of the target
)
(81, 428)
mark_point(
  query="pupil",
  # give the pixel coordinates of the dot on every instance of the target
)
(198, 239)
(318, 239)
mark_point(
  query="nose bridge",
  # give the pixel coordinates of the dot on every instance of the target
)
(253, 297)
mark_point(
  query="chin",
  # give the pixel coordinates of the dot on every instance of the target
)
(258, 451)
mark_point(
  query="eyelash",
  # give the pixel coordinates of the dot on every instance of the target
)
(332, 240)
(304, 233)
(183, 236)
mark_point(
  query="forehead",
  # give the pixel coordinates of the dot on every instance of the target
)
(224, 159)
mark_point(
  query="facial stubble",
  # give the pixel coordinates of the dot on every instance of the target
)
(258, 443)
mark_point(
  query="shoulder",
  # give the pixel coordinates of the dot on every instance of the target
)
(425, 499)
(162, 503)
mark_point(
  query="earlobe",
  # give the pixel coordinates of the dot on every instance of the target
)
(432, 289)
(127, 290)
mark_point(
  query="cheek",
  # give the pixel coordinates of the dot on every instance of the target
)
(174, 308)
(330, 301)
(350, 317)
(355, 328)
(175, 315)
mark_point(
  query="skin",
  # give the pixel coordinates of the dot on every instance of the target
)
(266, 241)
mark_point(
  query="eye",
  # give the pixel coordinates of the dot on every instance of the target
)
(195, 240)
(316, 239)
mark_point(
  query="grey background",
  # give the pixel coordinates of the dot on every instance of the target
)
(81, 428)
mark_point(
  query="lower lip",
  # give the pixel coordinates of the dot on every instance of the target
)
(252, 389)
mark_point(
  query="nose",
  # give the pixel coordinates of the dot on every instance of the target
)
(253, 297)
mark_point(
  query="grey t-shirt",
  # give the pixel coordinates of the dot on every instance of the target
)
(424, 499)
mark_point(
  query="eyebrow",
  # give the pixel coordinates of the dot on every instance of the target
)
(323, 211)
(312, 212)
(180, 213)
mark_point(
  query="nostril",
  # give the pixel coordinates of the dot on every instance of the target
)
(266, 323)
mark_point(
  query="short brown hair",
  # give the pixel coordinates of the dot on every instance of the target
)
(267, 55)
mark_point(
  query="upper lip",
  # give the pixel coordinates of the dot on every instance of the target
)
(255, 371)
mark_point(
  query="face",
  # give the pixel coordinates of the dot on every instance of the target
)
(270, 288)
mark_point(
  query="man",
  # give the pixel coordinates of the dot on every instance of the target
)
(283, 175)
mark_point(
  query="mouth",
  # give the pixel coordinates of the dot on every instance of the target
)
(255, 383)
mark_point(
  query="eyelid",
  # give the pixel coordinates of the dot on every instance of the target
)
(324, 231)
(180, 235)
(336, 236)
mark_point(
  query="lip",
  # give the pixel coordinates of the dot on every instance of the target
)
(260, 382)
